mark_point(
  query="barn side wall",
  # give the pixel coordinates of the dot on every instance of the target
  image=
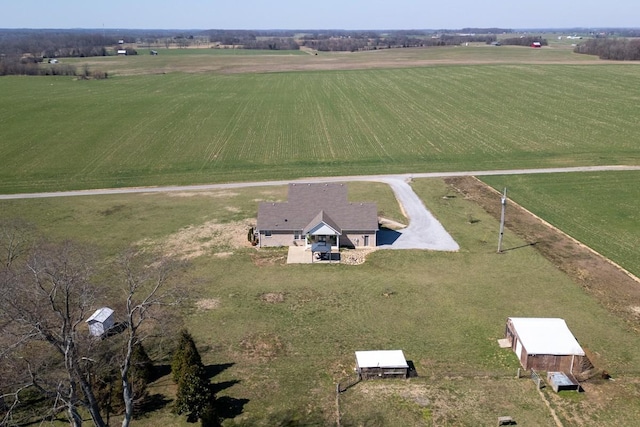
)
(555, 363)
(374, 373)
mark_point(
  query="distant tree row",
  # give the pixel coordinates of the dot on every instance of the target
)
(55, 44)
(272, 44)
(353, 44)
(524, 41)
(619, 49)
(30, 66)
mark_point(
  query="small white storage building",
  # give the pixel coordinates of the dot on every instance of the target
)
(100, 321)
(381, 364)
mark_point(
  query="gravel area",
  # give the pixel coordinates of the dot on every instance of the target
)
(424, 230)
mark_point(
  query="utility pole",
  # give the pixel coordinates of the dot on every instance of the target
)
(504, 205)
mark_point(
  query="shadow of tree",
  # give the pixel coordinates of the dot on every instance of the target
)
(159, 371)
(152, 403)
(218, 387)
(213, 370)
(230, 407)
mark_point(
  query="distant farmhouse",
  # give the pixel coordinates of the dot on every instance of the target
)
(318, 217)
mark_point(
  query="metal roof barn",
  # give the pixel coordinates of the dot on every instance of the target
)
(545, 344)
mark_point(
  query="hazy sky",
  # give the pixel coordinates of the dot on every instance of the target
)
(326, 14)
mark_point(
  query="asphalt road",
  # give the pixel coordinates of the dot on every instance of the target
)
(423, 232)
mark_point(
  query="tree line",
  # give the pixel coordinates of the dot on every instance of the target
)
(524, 41)
(619, 49)
(365, 42)
(51, 367)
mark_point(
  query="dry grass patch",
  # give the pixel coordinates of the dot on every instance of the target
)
(272, 297)
(355, 256)
(208, 303)
(262, 347)
(269, 257)
(210, 237)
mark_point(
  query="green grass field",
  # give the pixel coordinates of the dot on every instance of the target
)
(178, 128)
(220, 117)
(445, 310)
(598, 209)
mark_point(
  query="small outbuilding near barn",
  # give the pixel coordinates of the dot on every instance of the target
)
(545, 344)
(381, 364)
(100, 321)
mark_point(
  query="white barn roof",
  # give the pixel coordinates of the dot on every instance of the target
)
(100, 315)
(381, 358)
(546, 336)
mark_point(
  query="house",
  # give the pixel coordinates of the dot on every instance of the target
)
(319, 217)
(381, 364)
(100, 321)
(546, 344)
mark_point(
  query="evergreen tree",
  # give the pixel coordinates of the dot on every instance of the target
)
(194, 396)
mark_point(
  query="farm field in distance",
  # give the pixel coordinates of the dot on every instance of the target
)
(151, 129)
(280, 336)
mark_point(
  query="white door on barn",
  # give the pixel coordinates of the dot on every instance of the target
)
(519, 349)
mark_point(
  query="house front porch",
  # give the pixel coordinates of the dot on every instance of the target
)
(302, 255)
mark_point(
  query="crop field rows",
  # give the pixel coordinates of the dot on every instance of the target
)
(177, 128)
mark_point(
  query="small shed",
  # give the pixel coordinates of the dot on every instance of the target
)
(122, 51)
(381, 364)
(100, 321)
(545, 344)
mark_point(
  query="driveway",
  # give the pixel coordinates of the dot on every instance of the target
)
(424, 230)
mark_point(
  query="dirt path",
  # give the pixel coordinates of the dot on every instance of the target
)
(614, 287)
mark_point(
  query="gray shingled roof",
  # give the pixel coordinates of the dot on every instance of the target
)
(307, 201)
(322, 217)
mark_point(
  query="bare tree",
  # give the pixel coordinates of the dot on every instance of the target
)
(44, 301)
(16, 238)
(149, 284)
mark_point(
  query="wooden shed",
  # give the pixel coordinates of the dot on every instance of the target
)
(545, 344)
(381, 364)
(100, 321)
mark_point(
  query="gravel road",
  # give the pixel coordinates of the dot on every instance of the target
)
(423, 231)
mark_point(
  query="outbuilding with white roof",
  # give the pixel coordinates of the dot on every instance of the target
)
(100, 321)
(545, 344)
(381, 364)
